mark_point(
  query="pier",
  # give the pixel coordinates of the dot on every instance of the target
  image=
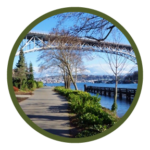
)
(109, 91)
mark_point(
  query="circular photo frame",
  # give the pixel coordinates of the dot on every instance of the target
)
(114, 23)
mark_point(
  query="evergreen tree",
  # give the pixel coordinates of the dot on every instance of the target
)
(21, 68)
(30, 76)
(21, 61)
(26, 65)
(27, 71)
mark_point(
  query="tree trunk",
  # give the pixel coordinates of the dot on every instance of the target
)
(74, 83)
(68, 82)
(64, 76)
(115, 98)
(20, 83)
(65, 84)
(114, 106)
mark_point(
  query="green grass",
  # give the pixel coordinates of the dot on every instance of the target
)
(111, 113)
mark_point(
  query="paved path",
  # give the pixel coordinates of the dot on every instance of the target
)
(23, 96)
(49, 111)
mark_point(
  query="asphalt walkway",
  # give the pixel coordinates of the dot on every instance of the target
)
(49, 111)
(23, 96)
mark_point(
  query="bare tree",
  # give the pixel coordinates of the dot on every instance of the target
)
(116, 62)
(77, 65)
(67, 50)
(88, 25)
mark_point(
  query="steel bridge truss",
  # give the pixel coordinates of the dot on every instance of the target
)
(34, 42)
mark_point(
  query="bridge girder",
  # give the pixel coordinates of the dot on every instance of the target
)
(40, 41)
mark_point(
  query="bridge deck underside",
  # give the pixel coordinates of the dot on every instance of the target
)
(40, 41)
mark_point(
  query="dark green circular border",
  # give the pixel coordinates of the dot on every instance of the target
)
(11, 59)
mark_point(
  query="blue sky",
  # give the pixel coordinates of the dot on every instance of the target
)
(96, 66)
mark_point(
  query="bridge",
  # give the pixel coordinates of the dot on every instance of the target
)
(35, 41)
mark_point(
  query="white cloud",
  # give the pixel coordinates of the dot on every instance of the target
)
(47, 72)
(86, 71)
(36, 69)
(46, 75)
(104, 68)
(95, 72)
(91, 69)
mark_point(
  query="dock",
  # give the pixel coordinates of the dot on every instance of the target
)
(109, 91)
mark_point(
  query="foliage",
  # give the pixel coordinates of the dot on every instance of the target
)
(15, 88)
(30, 77)
(91, 117)
(30, 73)
(21, 61)
(20, 71)
(34, 85)
(114, 107)
(16, 82)
(24, 85)
(23, 77)
(30, 83)
(39, 84)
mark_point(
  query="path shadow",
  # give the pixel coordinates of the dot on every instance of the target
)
(50, 117)
(59, 109)
(52, 129)
(63, 98)
(64, 133)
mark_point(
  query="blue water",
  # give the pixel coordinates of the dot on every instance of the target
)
(123, 105)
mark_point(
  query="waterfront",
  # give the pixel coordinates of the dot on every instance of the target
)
(123, 105)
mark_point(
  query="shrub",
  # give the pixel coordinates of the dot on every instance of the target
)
(30, 83)
(32, 89)
(16, 82)
(39, 84)
(86, 133)
(88, 110)
(15, 88)
(34, 85)
(24, 85)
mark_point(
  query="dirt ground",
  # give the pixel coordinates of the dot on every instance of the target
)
(23, 93)
(20, 99)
